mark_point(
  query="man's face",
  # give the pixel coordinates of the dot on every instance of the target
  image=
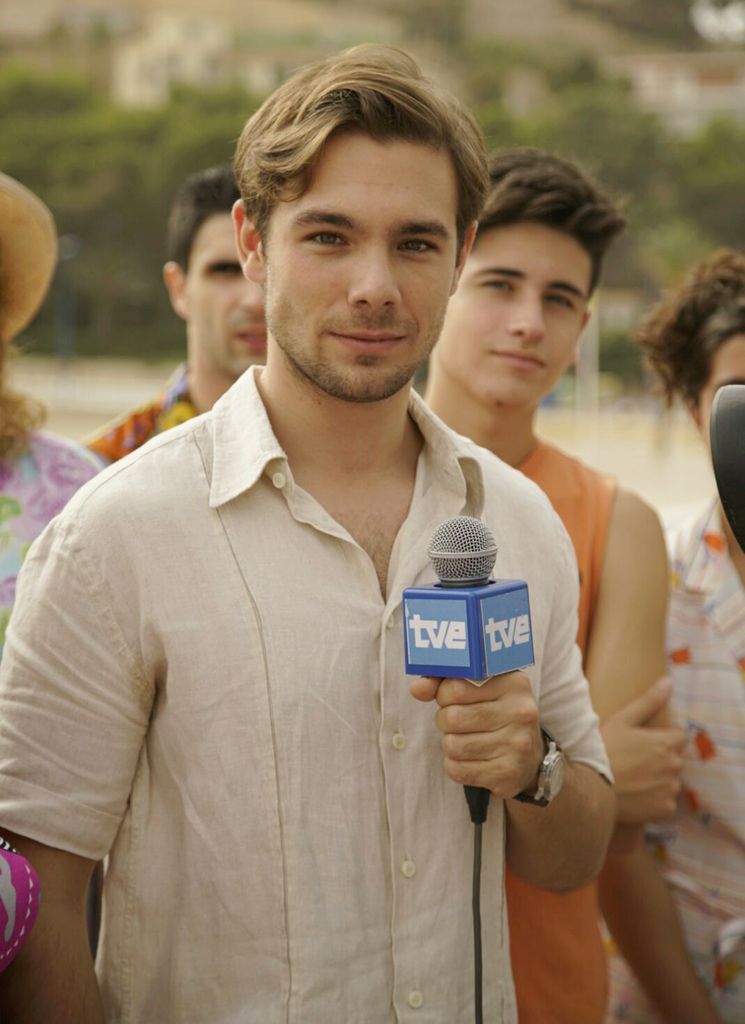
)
(513, 325)
(224, 312)
(358, 270)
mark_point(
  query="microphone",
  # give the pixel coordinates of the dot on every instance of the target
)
(466, 625)
(471, 627)
(19, 902)
(727, 430)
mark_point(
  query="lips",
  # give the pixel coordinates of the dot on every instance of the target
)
(254, 341)
(371, 337)
(521, 360)
(368, 342)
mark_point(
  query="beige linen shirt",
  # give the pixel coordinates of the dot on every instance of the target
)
(203, 681)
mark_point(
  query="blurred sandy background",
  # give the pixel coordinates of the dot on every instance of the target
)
(658, 455)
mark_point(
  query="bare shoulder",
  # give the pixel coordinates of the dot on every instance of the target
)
(636, 545)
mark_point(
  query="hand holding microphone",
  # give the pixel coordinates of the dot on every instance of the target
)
(467, 635)
(491, 735)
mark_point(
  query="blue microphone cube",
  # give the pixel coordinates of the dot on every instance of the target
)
(468, 632)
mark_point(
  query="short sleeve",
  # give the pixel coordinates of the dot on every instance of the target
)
(74, 703)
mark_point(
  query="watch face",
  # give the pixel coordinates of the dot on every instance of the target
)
(554, 773)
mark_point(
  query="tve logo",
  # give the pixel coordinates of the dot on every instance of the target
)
(508, 641)
(507, 632)
(436, 632)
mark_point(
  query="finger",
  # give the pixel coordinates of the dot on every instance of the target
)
(461, 691)
(488, 716)
(677, 739)
(425, 688)
(498, 775)
(662, 737)
(648, 704)
(470, 746)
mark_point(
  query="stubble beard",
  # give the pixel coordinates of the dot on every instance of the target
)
(367, 380)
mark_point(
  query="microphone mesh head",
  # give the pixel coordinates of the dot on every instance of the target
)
(463, 551)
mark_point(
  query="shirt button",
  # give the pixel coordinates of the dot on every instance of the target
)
(398, 741)
(279, 479)
(390, 623)
(416, 999)
(408, 870)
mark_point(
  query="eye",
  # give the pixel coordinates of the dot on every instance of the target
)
(417, 245)
(559, 299)
(327, 238)
(499, 284)
(226, 269)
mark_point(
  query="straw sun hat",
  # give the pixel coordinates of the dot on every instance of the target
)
(28, 253)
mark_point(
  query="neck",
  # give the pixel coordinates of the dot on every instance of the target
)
(206, 383)
(332, 438)
(204, 391)
(508, 431)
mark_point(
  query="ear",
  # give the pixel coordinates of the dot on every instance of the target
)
(174, 279)
(463, 255)
(249, 245)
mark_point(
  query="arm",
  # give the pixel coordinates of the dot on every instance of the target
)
(638, 909)
(575, 828)
(625, 656)
(52, 977)
(491, 738)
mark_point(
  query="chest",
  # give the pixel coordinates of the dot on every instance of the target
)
(375, 526)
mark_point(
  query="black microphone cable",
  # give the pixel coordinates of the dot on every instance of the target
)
(478, 805)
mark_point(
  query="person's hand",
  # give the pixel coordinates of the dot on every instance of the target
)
(491, 734)
(646, 759)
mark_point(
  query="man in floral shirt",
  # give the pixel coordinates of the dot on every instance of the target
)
(223, 312)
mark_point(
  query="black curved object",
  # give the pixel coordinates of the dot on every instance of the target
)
(727, 429)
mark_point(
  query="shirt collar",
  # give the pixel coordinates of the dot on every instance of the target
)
(244, 444)
(703, 562)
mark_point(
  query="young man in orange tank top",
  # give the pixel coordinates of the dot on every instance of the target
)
(512, 329)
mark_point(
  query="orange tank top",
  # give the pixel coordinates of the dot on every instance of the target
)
(558, 960)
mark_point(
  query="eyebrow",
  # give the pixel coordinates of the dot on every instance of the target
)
(559, 285)
(433, 228)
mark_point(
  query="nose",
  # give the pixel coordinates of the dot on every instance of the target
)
(527, 321)
(373, 281)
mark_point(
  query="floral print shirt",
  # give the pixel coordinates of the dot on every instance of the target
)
(130, 432)
(34, 487)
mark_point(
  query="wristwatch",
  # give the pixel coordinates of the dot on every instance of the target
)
(550, 773)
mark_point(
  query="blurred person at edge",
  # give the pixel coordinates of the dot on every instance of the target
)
(694, 340)
(222, 310)
(223, 644)
(512, 329)
(38, 472)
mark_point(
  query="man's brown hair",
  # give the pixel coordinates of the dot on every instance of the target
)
(376, 90)
(532, 185)
(681, 333)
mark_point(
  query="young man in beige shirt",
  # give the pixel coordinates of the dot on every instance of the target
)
(205, 677)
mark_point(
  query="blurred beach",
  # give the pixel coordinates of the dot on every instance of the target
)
(658, 455)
